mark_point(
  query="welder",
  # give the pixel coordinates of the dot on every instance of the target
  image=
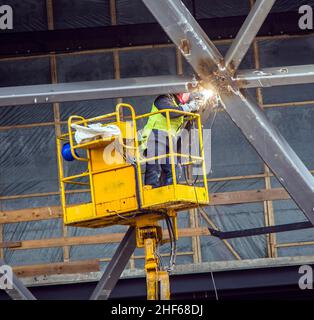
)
(155, 139)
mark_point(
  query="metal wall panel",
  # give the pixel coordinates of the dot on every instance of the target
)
(81, 13)
(296, 251)
(85, 67)
(288, 5)
(221, 8)
(149, 62)
(24, 72)
(287, 212)
(28, 15)
(296, 124)
(287, 52)
(232, 155)
(238, 217)
(235, 185)
(21, 115)
(132, 12)
(28, 161)
(30, 231)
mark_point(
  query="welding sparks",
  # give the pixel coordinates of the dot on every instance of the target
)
(208, 94)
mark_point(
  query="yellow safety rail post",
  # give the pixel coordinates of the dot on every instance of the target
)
(136, 144)
(89, 165)
(171, 151)
(71, 138)
(200, 137)
(60, 160)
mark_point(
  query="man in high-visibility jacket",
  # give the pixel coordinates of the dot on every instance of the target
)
(155, 140)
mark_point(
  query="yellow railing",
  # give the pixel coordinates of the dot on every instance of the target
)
(117, 117)
(171, 154)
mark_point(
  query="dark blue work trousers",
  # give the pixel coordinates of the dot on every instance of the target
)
(159, 172)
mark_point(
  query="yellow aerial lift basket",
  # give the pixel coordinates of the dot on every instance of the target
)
(114, 174)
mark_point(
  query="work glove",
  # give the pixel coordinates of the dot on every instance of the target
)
(191, 106)
(197, 96)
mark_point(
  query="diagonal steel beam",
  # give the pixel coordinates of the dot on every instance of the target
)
(245, 113)
(92, 90)
(247, 33)
(273, 148)
(116, 266)
(270, 77)
(19, 290)
(186, 33)
(194, 44)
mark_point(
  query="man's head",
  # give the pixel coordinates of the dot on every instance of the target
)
(183, 97)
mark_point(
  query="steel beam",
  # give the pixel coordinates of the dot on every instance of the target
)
(19, 290)
(116, 266)
(186, 33)
(245, 113)
(273, 149)
(270, 77)
(92, 90)
(247, 33)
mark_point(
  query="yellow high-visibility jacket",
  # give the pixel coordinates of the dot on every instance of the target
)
(159, 121)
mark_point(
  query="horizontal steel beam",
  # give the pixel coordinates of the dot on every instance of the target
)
(279, 76)
(231, 276)
(93, 90)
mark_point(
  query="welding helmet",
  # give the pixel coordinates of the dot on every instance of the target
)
(183, 97)
(66, 152)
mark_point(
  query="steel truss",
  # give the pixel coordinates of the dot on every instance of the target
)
(213, 70)
(216, 72)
